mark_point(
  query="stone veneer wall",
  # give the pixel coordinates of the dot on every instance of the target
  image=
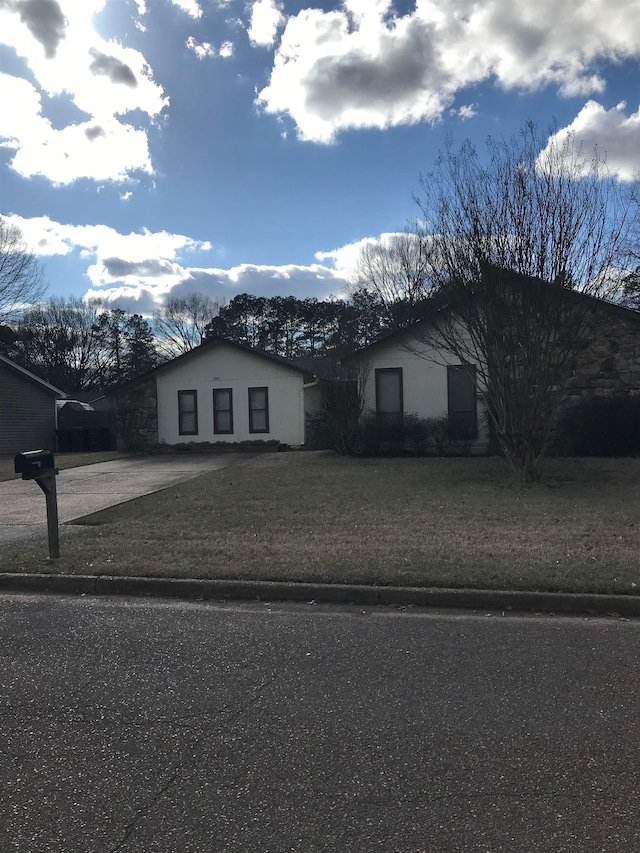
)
(136, 408)
(610, 365)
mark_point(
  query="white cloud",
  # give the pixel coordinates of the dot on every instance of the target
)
(126, 196)
(103, 79)
(344, 260)
(266, 18)
(159, 283)
(47, 237)
(101, 150)
(615, 135)
(191, 7)
(205, 49)
(202, 51)
(361, 66)
(467, 111)
(137, 271)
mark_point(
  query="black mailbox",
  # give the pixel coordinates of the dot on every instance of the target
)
(34, 463)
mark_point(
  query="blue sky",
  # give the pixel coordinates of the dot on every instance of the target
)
(154, 147)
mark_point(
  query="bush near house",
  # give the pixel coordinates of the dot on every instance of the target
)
(600, 426)
(414, 435)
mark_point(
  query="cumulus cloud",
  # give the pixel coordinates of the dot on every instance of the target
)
(344, 260)
(158, 283)
(109, 151)
(612, 132)
(102, 79)
(94, 132)
(100, 243)
(138, 271)
(266, 18)
(361, 65)
(120, 269)
(110, 66)
(226, 49)
(45, 21)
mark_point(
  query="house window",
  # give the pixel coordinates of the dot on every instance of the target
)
(463, 409)
(389, 403)
(258, 410)
(188, 412)
(222, 411)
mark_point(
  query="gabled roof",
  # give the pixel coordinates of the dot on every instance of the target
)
(31, 377)
(210, 344)
(410, 330)
(389, 335)
(322, 366)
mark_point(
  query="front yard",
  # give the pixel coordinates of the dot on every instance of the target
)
(425, 522)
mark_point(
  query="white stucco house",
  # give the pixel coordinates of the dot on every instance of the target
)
(218, 392)
(403, 375)
(405, 372)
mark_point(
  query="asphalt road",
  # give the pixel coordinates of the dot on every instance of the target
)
(90, 488)
(130, 725)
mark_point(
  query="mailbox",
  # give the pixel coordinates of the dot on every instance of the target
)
(34, 464)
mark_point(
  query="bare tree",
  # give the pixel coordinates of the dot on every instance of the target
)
(395, 269)
(58, 340)
(21, 279)
(523, 243)
(520, 242)
(341, 398)
(181, 322)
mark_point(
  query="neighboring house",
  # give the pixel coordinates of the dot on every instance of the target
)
(218, 392)
(27, 410)
(404, 375)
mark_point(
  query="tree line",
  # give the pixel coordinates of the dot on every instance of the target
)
(81, 345)
(294, 328)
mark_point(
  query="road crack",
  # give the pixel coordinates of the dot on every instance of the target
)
(143, 811)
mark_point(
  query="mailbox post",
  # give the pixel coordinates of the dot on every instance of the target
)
(39, 465)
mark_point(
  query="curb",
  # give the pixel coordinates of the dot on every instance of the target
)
(191, 588)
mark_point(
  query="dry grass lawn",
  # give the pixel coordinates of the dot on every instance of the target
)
(426, 522)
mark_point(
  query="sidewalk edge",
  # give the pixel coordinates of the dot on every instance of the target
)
(191, 588)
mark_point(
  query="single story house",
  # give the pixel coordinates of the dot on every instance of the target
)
(220, 391)
(27, 410)
(404, 373)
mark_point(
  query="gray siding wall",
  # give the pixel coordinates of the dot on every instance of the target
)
(27, 414)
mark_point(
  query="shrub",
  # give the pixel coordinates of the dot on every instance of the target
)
(600, 426)
(439, 434)
(410, 435)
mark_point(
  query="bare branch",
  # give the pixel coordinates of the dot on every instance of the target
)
(523, 243)
(181, 322)
(21, 280)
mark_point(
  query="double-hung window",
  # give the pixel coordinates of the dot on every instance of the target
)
(463, 407)
(258, 410)
(188, 412)
(222, 411)
(389, 398)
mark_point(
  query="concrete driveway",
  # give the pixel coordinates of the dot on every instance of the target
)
(94, 487)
